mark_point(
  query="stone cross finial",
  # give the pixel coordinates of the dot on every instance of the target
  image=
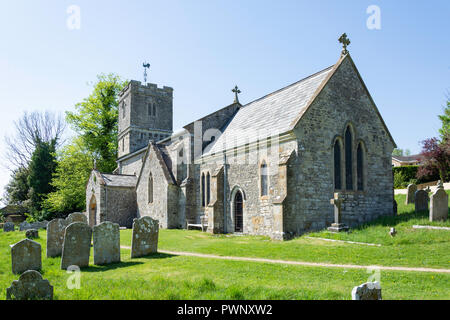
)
(146, 66)
(337, 202)
(236, 92)
(345, 42)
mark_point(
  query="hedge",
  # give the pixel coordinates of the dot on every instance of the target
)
(405, 175)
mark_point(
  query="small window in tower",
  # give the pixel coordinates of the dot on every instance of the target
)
(154, 110)
(123, 109)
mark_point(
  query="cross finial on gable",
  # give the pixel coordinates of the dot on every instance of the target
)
(236, 92)
(345, 42)
(146, 66)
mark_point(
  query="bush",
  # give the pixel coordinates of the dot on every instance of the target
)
(405, 175)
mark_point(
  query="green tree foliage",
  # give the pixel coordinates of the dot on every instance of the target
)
(69, 180)
(445, 118)
(41, 169)
(401, 152)
(17, 188)
(95, 120)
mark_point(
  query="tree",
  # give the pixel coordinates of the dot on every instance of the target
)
(30, 130)
(42, 166)
(401, 152)
(69, 179)
(436, 158)
(95, 120)
(16, 191)
(445, 118)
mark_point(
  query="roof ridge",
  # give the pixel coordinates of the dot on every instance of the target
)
(288, 86)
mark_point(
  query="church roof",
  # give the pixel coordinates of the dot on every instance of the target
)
(270, 115)
(116, 180)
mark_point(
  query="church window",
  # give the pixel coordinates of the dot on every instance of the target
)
(337, 166)
(208, 188)
(124, 109)
(360, 167)
(203, 190)
(348, 159)
(264, 180)
(150, 188)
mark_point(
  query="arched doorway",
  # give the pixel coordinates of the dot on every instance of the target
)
(92, 211)
(238, 212)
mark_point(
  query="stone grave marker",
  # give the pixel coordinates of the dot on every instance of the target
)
(76, 217)
(55, 237)
(106, 243)
(145, 237)
(76, 246)
(8, 227)
(411, 190)
(32, 234)
(367, 291)
(421, 200)
(439, 204)
(30, 286)
(26, 255)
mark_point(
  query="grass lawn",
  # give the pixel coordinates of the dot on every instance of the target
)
(164, 276)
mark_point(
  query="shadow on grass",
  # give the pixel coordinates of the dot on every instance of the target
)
(158, 255)
(111, 266)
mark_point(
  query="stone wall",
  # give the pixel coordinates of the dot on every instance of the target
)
(121, 206)
(95, 189)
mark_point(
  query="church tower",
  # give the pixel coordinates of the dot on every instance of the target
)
(145, 113)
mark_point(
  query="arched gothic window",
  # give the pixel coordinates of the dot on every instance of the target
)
(203, 190)
(150, 188)
(360, 167)
(208, 188)
(348, 159)
(337, 166)
(264, 179)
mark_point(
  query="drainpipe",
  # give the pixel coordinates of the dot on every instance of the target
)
(225, 177)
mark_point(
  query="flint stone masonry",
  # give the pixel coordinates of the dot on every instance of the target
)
(410, 193)
(55, 237)
(32, 234)
(77, 245)
(367, 291)
(145, 237)
(439, 205)
(26, 255)
(421, 200)
(30, 286)
(8, 227)
(106, 243)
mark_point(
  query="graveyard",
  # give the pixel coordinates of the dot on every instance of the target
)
(167, 275)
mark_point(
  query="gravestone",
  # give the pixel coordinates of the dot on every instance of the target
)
(25, 226)
(30, 286)
(76, 246)
(421, 200)
(76, 217)
(367, 291)
(32, 234)
(26, 255)
(337, 226)
(106, 243)
(439, 204)
(55, 237)
(8, 227)
(145, 237)
(411, 190)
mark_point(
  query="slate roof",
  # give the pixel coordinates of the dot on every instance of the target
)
(115, 180)
(413, 158)
(270, 115)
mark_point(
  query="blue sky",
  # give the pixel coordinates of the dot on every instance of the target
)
(203, 48)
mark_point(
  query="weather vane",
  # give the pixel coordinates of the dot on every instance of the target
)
(236, 92)
(345, 42)
(146, 66)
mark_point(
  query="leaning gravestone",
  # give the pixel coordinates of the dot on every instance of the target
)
(30, 286)
(8, 227)
(76, 217)
(439, 204)
(411, 190)
(26, 255)
(367, 291)
(32, 234)
(421, 200)
(145, 237)
(55, 237)
(106, 243)
(76, 246)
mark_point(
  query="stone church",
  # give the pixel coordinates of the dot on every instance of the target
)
(269, 167)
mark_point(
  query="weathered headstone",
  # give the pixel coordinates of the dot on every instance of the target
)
(25, 226)
(26, 255)
(411, 190)
(30, 286)
(337, 226)
(145, 237)
(106, 243)
(367, 291)
(76, 217)
(439, 204)
(32, 234)
(8, 227)
(421, 200)
(76, 246)
(55, 237)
